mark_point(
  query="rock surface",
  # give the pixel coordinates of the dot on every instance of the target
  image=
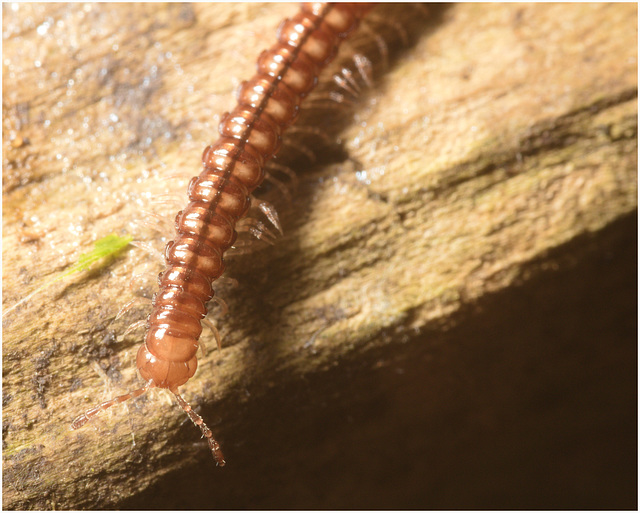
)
(448, 322)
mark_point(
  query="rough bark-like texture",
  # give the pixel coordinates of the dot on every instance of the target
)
(448, 322)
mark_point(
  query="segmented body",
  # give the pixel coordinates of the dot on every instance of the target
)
(234, 167)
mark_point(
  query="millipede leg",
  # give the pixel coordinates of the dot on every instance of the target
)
(257, 229)
(223, 304)
(364, 67)
(162, 224)
(130, 304)
(280, 185)
(270, 212)
(215, 332)
(89, 414)
(134, 326)
(145, 246)
(383, 48)
(300, 148)
(291, 174)
(206, 432)
(308, 130)
(345, 81)
(139, 281)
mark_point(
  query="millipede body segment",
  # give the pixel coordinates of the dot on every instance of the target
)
(234, 166)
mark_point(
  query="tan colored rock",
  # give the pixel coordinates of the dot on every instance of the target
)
(500, 143)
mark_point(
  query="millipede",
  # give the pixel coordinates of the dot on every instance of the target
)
(233, 167)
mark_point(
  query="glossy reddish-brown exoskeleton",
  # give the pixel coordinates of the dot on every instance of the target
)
(220, 196)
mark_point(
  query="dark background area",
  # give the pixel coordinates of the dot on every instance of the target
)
(529, 402)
